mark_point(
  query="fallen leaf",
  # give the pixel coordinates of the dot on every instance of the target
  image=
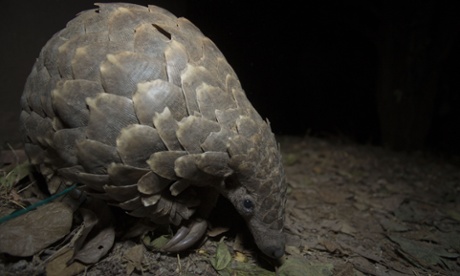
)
(364, 252)
(448, 240)
(89, 221)
(57, 265)
(14, 176)
(135, 254)
(393, 202)
(346, 228)
(292, 250)
(291, 159)
(333, 196)
(345, 269)
(392, 225)
(453, 214)
(216, 231)
(135, 257)
(222, 258)
(300, 267)
(240, 257)
(364, 265)
(413, 211)
(27, 234)
(339, 226)
(157, 243)
(423, 253)
(330, 245)
(248, 269)
(97, 247)
(318, 170)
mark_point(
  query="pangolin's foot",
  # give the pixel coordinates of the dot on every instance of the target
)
(186, 236)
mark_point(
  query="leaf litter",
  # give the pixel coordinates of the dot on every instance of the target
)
(351, 210)
(28, 234)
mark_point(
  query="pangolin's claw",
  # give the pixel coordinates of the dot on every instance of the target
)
(186, 237)
(180, 235)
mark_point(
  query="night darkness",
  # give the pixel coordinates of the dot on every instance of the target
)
(315, 68)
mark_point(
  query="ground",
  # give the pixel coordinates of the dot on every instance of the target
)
(351, 210)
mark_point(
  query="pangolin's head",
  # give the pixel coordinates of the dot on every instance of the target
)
(257, 189)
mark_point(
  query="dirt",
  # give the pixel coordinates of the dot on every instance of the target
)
(351, 210)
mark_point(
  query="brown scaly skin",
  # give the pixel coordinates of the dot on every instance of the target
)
(144, 111)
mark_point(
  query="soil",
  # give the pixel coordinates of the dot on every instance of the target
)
(351, 210)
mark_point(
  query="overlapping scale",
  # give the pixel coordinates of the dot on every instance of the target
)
(64, 144)
(211, 98)
(109, 114)
(151, 184)
(149, 41)
(153, 96)
(123, 71)
(167, 127)
(162, 163)
(95, 156)
(122, 174)
(176, 61)
(192, 131)
(121, 193)
(69, 101)
(136, 143)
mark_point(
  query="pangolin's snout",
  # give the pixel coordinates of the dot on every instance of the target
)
(274, 251)
(270, 242)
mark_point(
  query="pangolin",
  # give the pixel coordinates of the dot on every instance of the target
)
(143, 111)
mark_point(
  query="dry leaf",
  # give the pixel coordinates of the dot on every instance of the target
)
(89, 221)
(216, 231)
(57, 266)
(240, 257)
(364, 265)
(27, 234)
(291, 159)
(222, 263)
(246, 269)
(392, 225)
(97, 247)
(300, 267)
(393, 202)
(345, 269)
(454, 214)
(339, 226)
(292, 250)
(135, 257)
(332, 195)
(8, 180)
(423, 253)
(330, 245)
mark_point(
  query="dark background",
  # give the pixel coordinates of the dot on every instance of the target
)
(380, 72)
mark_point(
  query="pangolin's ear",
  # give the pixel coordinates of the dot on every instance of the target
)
(231, 183)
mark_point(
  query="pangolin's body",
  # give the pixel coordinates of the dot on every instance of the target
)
(144, 111)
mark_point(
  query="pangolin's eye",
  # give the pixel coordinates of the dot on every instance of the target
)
(248, 205)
